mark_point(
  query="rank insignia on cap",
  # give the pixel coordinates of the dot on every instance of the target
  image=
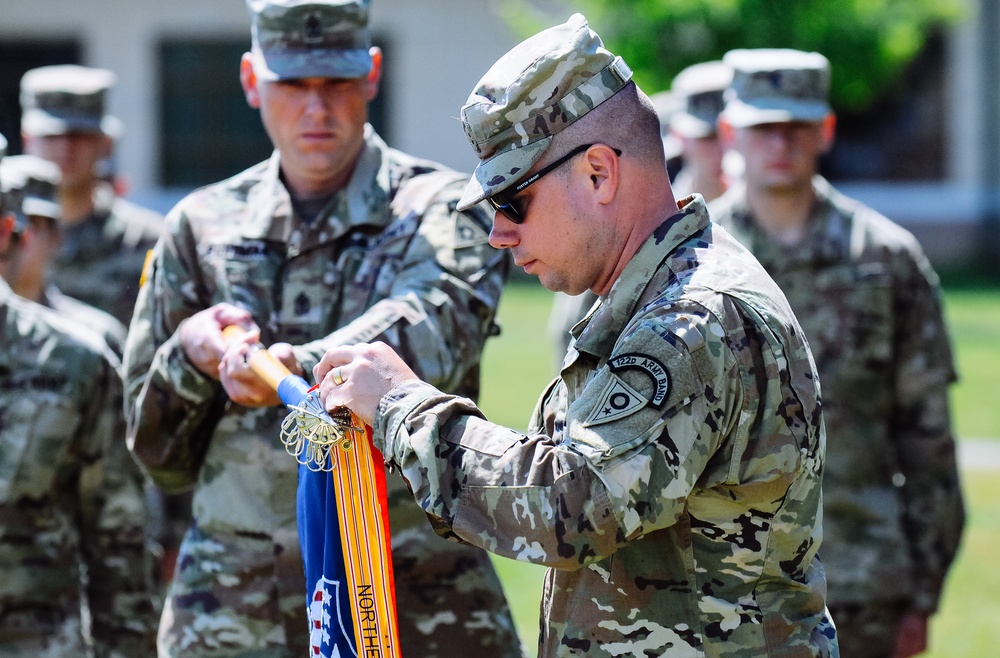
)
(302, 305)
(647, 364)
(313, 30)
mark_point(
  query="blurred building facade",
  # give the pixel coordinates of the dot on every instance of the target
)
(178, 92)
(930, 160)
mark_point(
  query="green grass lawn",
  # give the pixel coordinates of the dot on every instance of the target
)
(974, 321)
(965, 625)
(519, 363)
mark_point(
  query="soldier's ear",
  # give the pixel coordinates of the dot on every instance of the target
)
(602, 165)
(248, 78)
(6, 230)
(107, 145)
(374, 75)
(726, 134)
(829, 129)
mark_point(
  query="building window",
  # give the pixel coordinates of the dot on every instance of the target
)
(208, 132)
(16, 59)
(903, 137)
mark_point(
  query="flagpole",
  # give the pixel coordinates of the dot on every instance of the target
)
(345, 449)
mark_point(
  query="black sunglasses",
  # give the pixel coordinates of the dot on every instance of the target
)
(504, 200)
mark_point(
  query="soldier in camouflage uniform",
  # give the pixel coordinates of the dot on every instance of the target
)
(870, 306)
(105, 238)
(335, 239)
(687, 114)
(701, 87)
(671, 475)
(31, 185)
(71, 510)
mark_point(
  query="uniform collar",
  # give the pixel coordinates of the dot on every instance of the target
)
(363, 202)
(599, 331)
(827, 238)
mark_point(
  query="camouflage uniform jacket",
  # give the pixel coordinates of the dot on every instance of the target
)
(670, 476)
(102, 256)
(71, 503)
(388, 258)
(104, 324)
(567, 311)
(871, 309)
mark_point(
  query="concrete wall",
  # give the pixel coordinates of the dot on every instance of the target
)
(438, 49)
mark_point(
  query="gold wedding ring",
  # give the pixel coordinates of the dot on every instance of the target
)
(338, 379)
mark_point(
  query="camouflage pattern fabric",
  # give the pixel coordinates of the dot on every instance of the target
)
(870, 306)
(701, 86)
(31, 185)
(104, 324)
(101, 258)
(169, 515)
(71, 507)
(66, 98)
(567, 310)
(868, 630)
(775, 85)
(671, 475)
(388, 258)
(305, 38)
(537, 89)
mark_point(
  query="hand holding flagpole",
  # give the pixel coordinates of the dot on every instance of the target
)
(341, 444)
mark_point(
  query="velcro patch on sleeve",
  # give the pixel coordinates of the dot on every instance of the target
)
(618, 401)
(627, 402)
(652, 367)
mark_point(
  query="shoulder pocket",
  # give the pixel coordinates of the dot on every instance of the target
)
(627, 402)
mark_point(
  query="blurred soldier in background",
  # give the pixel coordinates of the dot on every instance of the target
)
(870, 306)
(667, 104)
(32, 185)
(76, 578)
(336, 239)
(105, 238)
(700, 89)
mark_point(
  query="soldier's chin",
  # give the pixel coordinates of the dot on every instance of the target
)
(551, 280)
(782, 179)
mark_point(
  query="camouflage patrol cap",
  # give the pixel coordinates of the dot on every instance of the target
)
(34, 183)
(776, 86)
(318, 39)
(538, 88)
(701, 86)
(62, 99)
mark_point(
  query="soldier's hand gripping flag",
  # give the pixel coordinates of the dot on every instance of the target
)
(343, 520)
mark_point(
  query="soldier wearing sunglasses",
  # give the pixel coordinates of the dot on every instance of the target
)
(670, 477)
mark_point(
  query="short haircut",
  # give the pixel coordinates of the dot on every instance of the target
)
(626, 121)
